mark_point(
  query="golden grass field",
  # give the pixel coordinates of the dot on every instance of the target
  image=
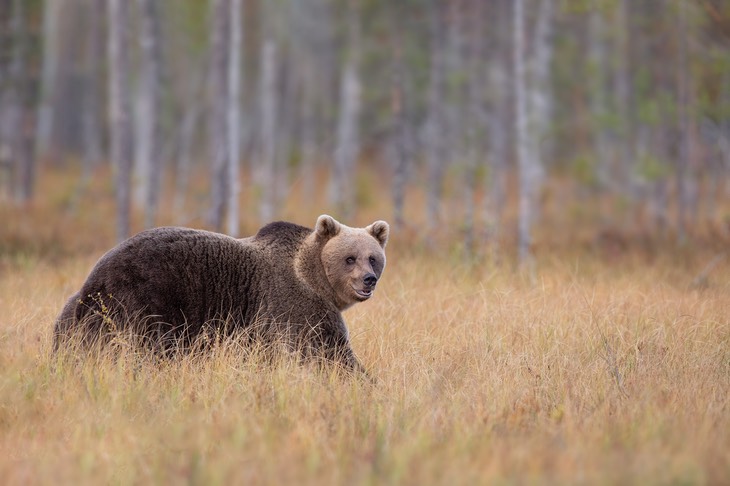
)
(599, 370)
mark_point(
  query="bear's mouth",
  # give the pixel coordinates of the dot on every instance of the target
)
(364, 294)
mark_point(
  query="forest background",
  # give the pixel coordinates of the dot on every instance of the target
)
(556, 174)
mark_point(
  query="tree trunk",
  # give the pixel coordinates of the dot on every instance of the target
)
(119, 111)
(49, 70)
(219, 104)
(685, 166)
(399, 134)
(475, 116)
(499, 82)
(148, 126)
(10, 101)
(525, 163)
(92, 99)
(434, 129)
(267, 134)
(7, 124)
(539, 97)
(234, 117)
(25, 92)
(622, 92)
(307, 134)
(348, 143)
(599, 102)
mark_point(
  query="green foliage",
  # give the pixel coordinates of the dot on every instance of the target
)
(583, 7)
(651, 168)
(583, 169)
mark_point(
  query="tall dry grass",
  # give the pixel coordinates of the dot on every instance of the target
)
(597, 371)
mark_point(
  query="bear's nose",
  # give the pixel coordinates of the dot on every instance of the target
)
(370, 280)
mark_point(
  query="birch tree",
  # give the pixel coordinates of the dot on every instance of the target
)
(348, 128)
(498, 135)
(92, 125)
(399, 134)
(25, 92)
(11, 106)
(685, 166)
(434, 129)
(599, 101)
(475, 116)
(532, 109)
(539, 96)
(219, 43)
(147, 141)
(267, 129)
(525, 164)
(119, 111)
(233, 117)
(51, 19)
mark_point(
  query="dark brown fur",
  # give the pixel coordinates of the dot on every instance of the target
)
(171, 285)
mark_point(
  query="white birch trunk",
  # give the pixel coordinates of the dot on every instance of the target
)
(234, 115)
(348, 128)
(524, 162)
(119, 111)
(51, 16)
(347, 139)
(92, 99)
(434, 129)
(11, 107)
(475, 117)
(599, 105)
(499, 135)
(399, 141)
(219, 104)
(626, 155)
(24, 88)
(147, 141)
(267, 135)
(307, 134)
(538, 98)
(685, 170)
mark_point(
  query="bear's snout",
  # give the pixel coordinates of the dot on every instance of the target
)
(370, 280)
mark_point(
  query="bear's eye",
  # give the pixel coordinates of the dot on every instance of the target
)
(350, 260)
(372, 261)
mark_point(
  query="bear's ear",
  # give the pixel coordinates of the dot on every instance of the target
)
(380, 231)
(327, 227)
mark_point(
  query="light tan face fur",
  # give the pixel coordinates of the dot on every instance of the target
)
(353, 258)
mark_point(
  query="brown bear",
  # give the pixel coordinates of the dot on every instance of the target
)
(287, 283)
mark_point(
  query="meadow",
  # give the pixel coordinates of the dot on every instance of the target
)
(607, 365)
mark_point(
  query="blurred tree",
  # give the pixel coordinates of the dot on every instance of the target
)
(233, 120)
(434, 143)
(24, 76)
(475, 113)
(51, 46)
(686, 161)
(267, 129)
(525, 163)
(219, 45)
(499, 88)
(92, 123)
(120, 123)
(630, 99)
(399, 129)
(348, 127)
(148, 165)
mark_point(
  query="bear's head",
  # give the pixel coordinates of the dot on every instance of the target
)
(353, 258)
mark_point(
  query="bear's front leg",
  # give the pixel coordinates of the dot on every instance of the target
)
(334, 347)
